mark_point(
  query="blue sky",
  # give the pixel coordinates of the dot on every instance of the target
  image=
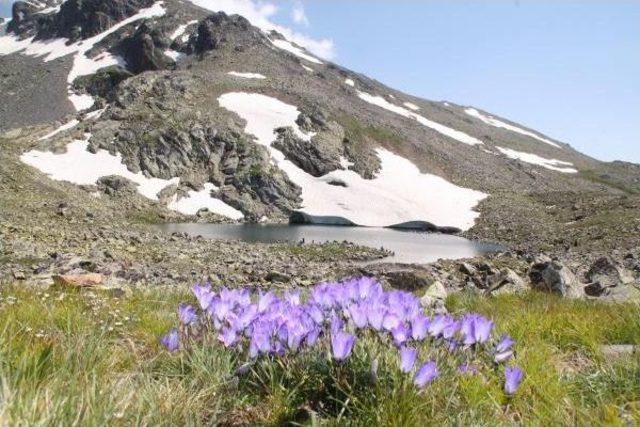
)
(570, 69)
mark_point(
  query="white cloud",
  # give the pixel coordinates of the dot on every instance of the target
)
(260, 14)
(298, 15)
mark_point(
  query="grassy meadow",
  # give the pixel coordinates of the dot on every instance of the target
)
(92, 358)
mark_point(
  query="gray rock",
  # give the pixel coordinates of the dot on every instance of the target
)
(508, 281)
(554, 277)
(434, 298)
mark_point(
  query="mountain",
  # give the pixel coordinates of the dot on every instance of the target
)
(197, 109)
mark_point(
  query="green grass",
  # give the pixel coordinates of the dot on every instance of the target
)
(86, 358)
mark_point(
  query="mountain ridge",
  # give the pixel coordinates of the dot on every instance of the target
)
(157, 83)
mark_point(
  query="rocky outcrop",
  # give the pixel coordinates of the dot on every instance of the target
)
(317, 157)
(221, 30)
(556, 278)
(81, 19)
(144, 49)
(607, 278)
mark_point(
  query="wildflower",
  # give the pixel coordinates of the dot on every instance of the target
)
(438, 324)
(203, 294)
(407, 359)
(475, 329)
(358, 315)
(512, 378)
(419, 327)
(228, 337)
(400, 334)
(170, 341)
(427, 373)
(341, 345)
(186, 314)
(503, 349)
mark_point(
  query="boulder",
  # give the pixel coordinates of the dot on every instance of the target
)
(78, 280)
(408, 279)
(434, 298)
(555, 278)
(508, 281)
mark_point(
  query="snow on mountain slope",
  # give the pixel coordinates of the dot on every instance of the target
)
(81, 167)
(82, 64)
(197, 200)
(399, 193)
(444, 130)
(500, 124)
(246, 75)
(551, 164)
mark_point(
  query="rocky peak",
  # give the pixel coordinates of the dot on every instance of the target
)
(219, 30)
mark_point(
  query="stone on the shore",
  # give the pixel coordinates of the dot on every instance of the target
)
(555, 278)
(78, 280)
(434, 298)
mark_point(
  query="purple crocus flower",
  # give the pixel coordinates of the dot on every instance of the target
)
(427, 373)
(203, 294)
(171, 341)
(419, 327)
(228, 337)
(482, 329)
(401, 334)
(186, 314)
(504, 344)
(390, 322)
(512, 378)
(341, 345)
(438, 324)
(407, 359)
(475, 329)
(358, 315)
(504, 351)
(375, 316)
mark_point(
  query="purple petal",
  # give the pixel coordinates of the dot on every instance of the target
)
(171, 341)
(427, 373)
(407, 359)
(341, 345)
(512, 378)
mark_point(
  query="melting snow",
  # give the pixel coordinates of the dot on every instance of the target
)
(197, 200)
(174, 54)
(411, 106)
(349, 82)
(64, 127)
(500, 124)
(400, 193)
(444, 130)
(181, 29)
(81, 167)
(246, 75)
(289, 47)
(82, 65)
(553, 164)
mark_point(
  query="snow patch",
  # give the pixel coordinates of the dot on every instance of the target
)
(411, 106)
(182, 29)
(309, 69)
(197, 200)
(444, 130)
(174, 54)
(500, 124)
(350, 82)
(399, 193)
(70, 124)
(81, 102)
(289, 47)
(246, 75)
(81, 167)
(552, 164)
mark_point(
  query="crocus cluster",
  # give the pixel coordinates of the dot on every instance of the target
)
(266, 324)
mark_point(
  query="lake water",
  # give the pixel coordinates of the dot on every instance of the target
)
(408, 246)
